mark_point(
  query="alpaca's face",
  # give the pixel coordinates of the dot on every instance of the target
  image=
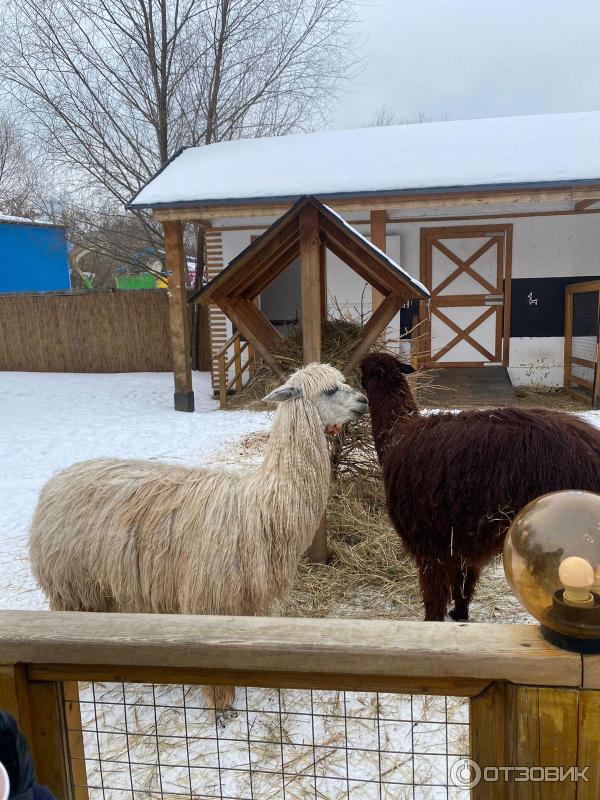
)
(383, 372)
(326, 388)
(339, 404)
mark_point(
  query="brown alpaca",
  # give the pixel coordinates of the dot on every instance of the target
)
(453, 482)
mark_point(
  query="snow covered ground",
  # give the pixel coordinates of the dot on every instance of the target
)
(50, 421)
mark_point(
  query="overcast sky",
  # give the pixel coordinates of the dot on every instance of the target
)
(474, 58)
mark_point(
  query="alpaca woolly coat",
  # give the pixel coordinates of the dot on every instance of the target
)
(454, 482)
(141, 536)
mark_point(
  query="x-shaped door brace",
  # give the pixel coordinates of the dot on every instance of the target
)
(464, 266)
(463, 334)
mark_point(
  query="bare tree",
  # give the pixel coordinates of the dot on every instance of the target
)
(115, 87)
(384, 117)
(20, 175)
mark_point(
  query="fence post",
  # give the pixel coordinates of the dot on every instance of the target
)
(532, 726)
(39, 710)
(222, 382)
(237, 351)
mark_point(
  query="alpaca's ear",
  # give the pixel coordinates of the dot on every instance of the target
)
(407, 369)
(284, 392)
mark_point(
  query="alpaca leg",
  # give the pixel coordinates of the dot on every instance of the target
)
(435, 590)
(223, 696)
(463, 588)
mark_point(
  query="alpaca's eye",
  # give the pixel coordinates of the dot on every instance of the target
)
(330, 392)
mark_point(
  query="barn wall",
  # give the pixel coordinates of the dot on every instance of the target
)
(107, 331)
(33, 258)
(549, 253)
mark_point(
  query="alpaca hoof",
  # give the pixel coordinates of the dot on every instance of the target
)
(458, 616)
(223, 715)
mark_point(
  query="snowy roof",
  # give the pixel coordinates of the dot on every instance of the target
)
(11, 220)
(478, 153)
(276, 248)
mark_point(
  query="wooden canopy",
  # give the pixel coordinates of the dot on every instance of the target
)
(304, 232)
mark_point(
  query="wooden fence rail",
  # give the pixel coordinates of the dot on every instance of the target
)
(530, 703)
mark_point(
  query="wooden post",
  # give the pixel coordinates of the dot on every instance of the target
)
(323, 288)
(378, 228)
(178, 316)
(311, 277)
(568, 339)
(532, 726)
(222, 381)
(38, 709)
(237, 362)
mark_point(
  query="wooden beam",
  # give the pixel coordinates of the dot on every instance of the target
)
(252, 264)
(323, 281)
(256, 328)
(359, 256)
(310, 278)
(378, 322)
(178, 317)
(460, 687)
(311, 291)
(446, 218)
(276, 267)
(581, 205)
(378, 230)
(318, 552)
(440, 199)
(517, 653)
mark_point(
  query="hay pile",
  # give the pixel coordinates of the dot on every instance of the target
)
(339, 338)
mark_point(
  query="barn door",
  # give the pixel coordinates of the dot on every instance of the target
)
(466, 270)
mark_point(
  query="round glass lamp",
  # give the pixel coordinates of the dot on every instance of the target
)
(552, 562)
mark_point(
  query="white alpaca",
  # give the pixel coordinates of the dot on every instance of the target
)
(141, 536)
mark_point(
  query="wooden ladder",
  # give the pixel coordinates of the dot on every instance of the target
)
(243, 372)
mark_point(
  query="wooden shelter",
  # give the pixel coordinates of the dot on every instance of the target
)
(304, 232)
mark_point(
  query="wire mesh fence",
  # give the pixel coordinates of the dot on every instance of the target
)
(129, 741)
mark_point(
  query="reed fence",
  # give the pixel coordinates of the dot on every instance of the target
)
(81, 331)
(325, 709)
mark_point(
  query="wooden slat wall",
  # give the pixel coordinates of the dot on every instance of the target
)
(112, 331)
(217, 319)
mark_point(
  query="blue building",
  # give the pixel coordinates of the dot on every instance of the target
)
(33, 256)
